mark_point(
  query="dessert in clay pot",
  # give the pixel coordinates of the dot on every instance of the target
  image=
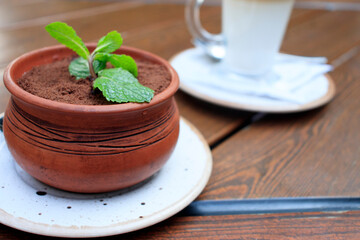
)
(119, 129)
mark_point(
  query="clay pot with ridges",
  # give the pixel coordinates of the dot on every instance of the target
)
(83, 148)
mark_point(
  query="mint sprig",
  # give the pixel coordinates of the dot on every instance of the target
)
(123, 61)
(109, 43)
(79, 67)
(118, 84)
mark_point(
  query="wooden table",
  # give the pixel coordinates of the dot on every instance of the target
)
(291, 176)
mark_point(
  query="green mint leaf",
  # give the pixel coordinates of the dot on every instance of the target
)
(109, 43)
(99, 65)
(119, 61)
(119, 85)
(102, 56)
(125, 62)
(67, 36)
(79, 67)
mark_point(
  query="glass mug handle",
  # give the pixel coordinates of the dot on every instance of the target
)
(213, 44)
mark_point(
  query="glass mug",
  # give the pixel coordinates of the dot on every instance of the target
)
(252, 32)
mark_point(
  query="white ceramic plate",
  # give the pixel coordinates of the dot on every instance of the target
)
(194, 60)
(31, 206)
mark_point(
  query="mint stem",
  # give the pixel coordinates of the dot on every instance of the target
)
(91, 67)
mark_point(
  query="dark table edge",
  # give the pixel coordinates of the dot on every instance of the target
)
(271, 205)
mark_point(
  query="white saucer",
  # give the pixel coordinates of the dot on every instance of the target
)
(31, 206)
(192, 60)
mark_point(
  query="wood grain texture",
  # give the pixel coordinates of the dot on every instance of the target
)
(36, 37)
(213, 122)
(17, 14)
(314, 153)
(142, 26)
(328, 34)
(320, 226)
(332, 5)
(268, 226)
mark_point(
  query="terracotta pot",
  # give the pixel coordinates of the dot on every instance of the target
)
(83, 148)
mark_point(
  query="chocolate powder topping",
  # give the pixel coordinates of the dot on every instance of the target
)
(54, 82)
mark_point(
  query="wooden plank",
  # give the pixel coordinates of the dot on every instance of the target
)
(213, 122)
(336, 225)
(19, 13)
(329, 34)
(19, 3)
(132, 19)
(170, 36)
(331, 5)
(268, 226)
(314, 153)
(18, 41)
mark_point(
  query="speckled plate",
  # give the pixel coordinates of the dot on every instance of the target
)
(31, 206)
